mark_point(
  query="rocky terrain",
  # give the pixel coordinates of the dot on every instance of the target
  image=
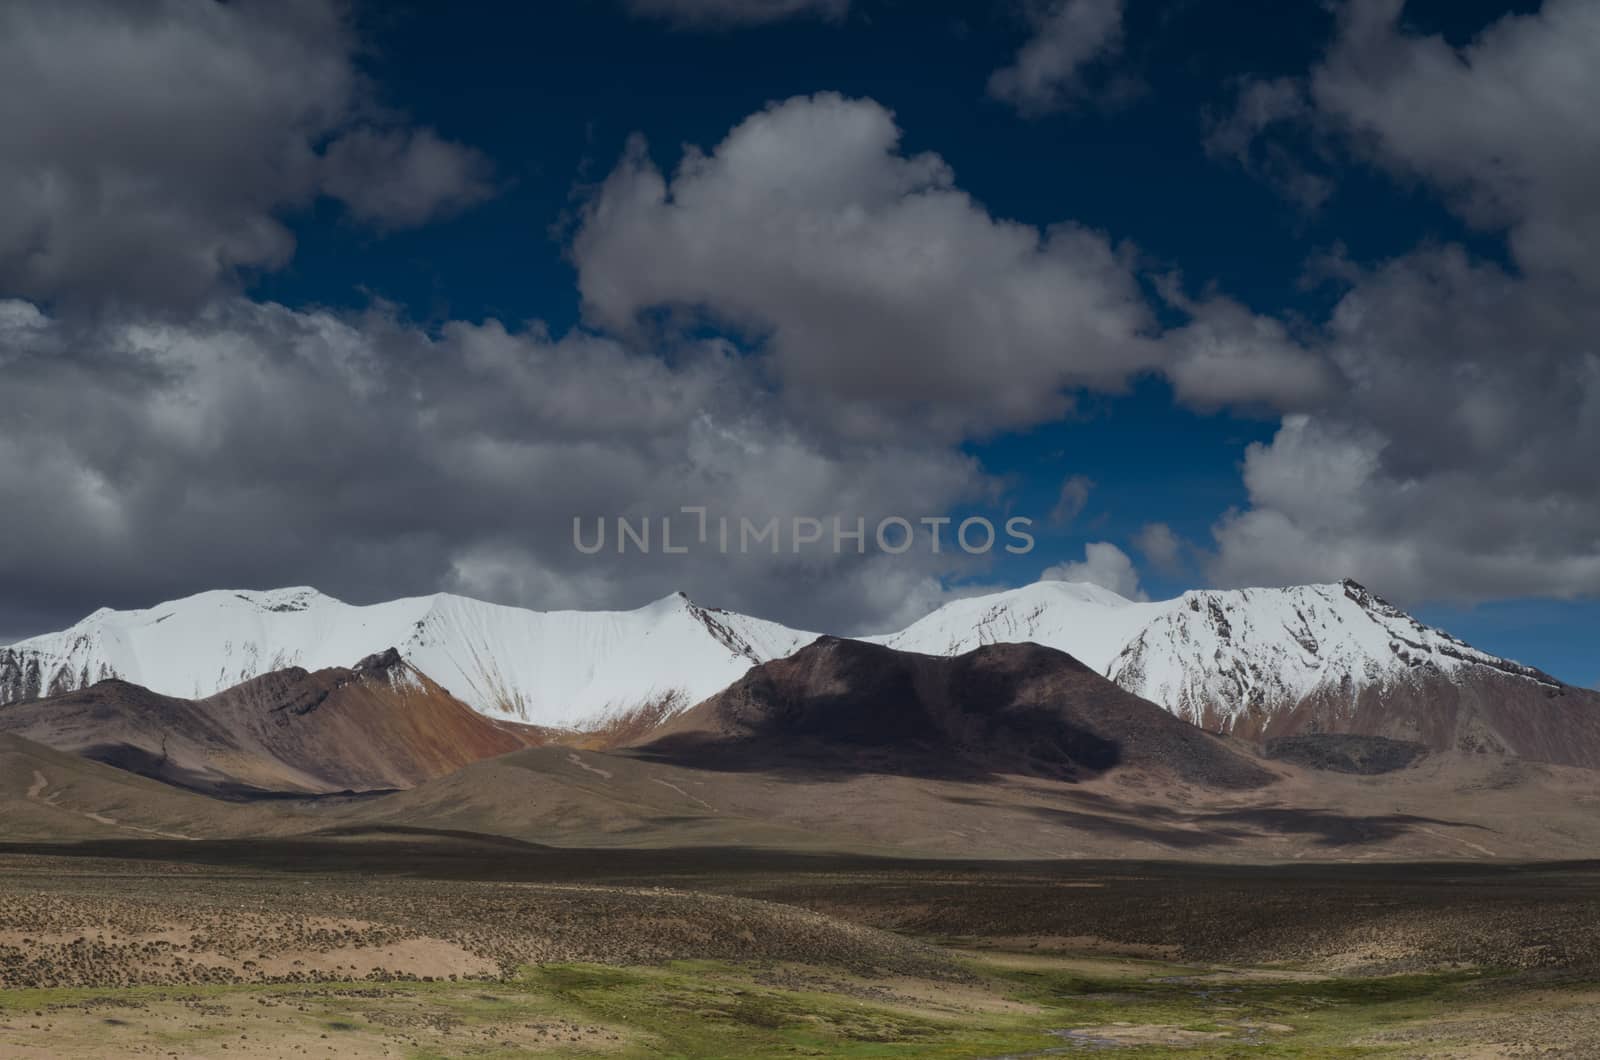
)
(1489, 712)
(1345, 752)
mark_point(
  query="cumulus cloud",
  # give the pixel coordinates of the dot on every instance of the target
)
(1068, 37)
(164, 434)
(1161, 547)
(1447, 452)
(1458, 462)
(1503, 124)
(1438, 443)
(876, 289)
(736, 12)
(257, 445)
(1500, 125)
(153, 149)
(1227, 355)
(1103, 564)
(887, 300)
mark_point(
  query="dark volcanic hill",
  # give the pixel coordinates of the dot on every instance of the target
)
(1000, 709)
(380, 725)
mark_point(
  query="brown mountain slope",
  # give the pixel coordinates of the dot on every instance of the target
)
(1447, 806)
(378, 726)
(1481, 712)
(50, 794)
(844, 705)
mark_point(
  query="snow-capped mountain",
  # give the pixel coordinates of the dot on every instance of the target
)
(1083, 620)
(1223, 658)
(558, 668)
(1250, 661)
(1231, 660)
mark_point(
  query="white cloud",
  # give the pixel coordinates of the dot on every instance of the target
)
(1503, 124)
(1068, 36)
(1227, 355)
(1457, 463)
(1449, 454)
(1160, 547)
(401, 178)
(1103, 564)
(880, 293)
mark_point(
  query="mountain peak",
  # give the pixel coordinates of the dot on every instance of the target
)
(294, 598)
(1231, 659)
(380, 662)
(1090, 591)
(671, 604)
(280, 601)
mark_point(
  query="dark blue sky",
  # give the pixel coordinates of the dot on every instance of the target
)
(551, 92)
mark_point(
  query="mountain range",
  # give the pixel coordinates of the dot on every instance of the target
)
(565, 669)
(1006, 751)
(1259, 663)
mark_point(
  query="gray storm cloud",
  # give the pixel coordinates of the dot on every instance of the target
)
(153, 149)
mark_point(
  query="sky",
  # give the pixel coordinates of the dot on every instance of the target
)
(381, 297)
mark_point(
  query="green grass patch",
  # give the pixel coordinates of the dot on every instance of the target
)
(714, 1010)
(710, 1010)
